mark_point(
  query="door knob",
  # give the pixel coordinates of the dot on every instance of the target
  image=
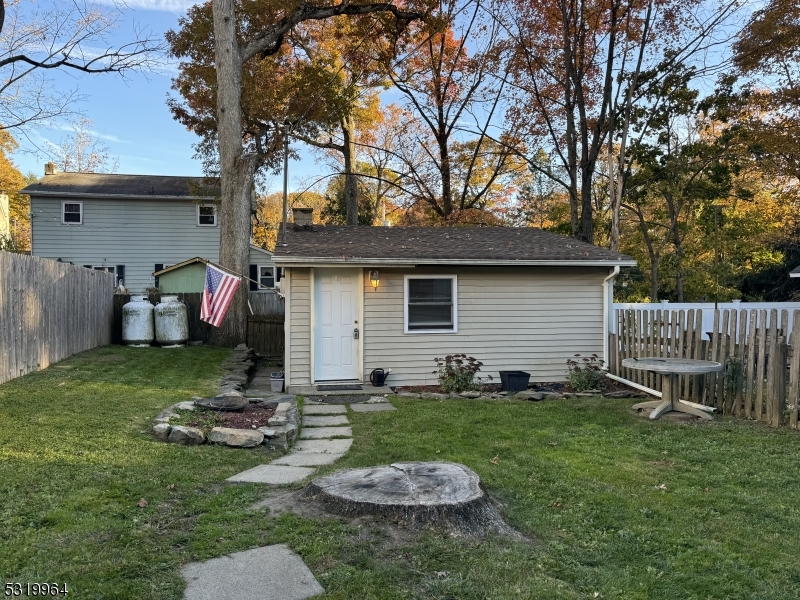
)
(355, 333)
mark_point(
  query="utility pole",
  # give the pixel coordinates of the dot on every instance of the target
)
(285, 179)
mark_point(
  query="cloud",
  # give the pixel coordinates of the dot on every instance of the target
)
(174, 6)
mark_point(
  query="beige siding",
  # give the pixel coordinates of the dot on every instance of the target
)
(530, 319)
(299, 350)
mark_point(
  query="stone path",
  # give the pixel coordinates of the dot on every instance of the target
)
(275, 572)
(268, 573)
(325, 437)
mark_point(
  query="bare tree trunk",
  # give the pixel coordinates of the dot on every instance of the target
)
(236, 172)
(350, 177)
(447, 190)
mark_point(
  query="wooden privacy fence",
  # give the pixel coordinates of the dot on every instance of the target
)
(50, 311)
(761, 375)
(264, 332)
(266, 303)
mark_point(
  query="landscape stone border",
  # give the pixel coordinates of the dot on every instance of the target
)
(532, 395)
(281, 430)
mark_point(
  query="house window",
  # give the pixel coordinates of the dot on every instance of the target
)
(206, 215)
(72, 213)
(266, 277)
(431, 304)
(118, 271)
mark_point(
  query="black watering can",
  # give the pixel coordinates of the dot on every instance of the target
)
(378, 377)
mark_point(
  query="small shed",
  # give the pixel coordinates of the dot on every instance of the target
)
(190, 275)
(361, 298)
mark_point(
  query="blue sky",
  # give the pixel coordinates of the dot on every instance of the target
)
(130, 114)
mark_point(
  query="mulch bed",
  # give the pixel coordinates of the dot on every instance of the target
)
(251, 417)
(553, 386)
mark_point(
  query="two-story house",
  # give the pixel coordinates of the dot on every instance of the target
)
(130, 225)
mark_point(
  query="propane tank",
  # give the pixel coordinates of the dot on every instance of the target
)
(137, 322)
(172, 322)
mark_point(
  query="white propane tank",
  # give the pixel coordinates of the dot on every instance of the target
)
(172, 322)
(137, 322)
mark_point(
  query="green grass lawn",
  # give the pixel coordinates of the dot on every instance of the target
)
(616, 506)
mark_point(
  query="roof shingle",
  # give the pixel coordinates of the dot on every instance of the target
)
(112, 184)
(405, 245)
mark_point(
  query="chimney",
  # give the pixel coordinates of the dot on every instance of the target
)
(303, 216)
(50, 168)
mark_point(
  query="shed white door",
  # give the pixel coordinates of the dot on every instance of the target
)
(335, 323)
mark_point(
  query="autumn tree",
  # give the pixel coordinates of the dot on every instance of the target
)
(39, 39)
(268, 216)
(768, 54)
(18, 238)
(245, 35)
(447, 161)
(577, 74)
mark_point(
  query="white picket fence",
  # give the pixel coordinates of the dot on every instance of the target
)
(708, 310)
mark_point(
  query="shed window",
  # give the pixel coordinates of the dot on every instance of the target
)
(206, 215)
(431, 304)
(72, 213)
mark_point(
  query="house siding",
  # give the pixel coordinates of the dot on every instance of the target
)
(529, 319)
(136, 233)
(299, 327)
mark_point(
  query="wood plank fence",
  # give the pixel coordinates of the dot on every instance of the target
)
(266, 303)
(761, 375)
(264, 332)
(50, 311)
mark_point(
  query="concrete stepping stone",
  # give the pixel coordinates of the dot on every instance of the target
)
(267, 573)
(362, 408)
(325, 432)
(324, 409)
(308, 459)
(311, 421)
(272, 474)
(324, 446)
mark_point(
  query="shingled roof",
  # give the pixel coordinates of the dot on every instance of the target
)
(439, 245)
(119, 186)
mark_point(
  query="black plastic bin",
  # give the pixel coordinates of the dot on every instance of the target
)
(514, 381)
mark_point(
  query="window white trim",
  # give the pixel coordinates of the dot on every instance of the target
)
(63, 205)
(216, 212)
(454, 279)
(262, 288)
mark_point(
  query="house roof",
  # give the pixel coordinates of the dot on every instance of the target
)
(439, 245)
(180, 265)
(123, 186)
(204, 261)
(795, 272)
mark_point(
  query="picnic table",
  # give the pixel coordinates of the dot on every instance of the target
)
(671, 369)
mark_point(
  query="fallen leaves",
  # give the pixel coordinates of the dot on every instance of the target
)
(142, 503)
(495, 460)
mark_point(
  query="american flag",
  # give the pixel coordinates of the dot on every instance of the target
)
(217, 295)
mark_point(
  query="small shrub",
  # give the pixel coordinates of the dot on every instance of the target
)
(586, 373)
(457, 372)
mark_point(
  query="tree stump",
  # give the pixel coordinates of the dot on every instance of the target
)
(441, 495)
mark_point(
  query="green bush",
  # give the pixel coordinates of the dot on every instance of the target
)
(457, 372)
(586, 373)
